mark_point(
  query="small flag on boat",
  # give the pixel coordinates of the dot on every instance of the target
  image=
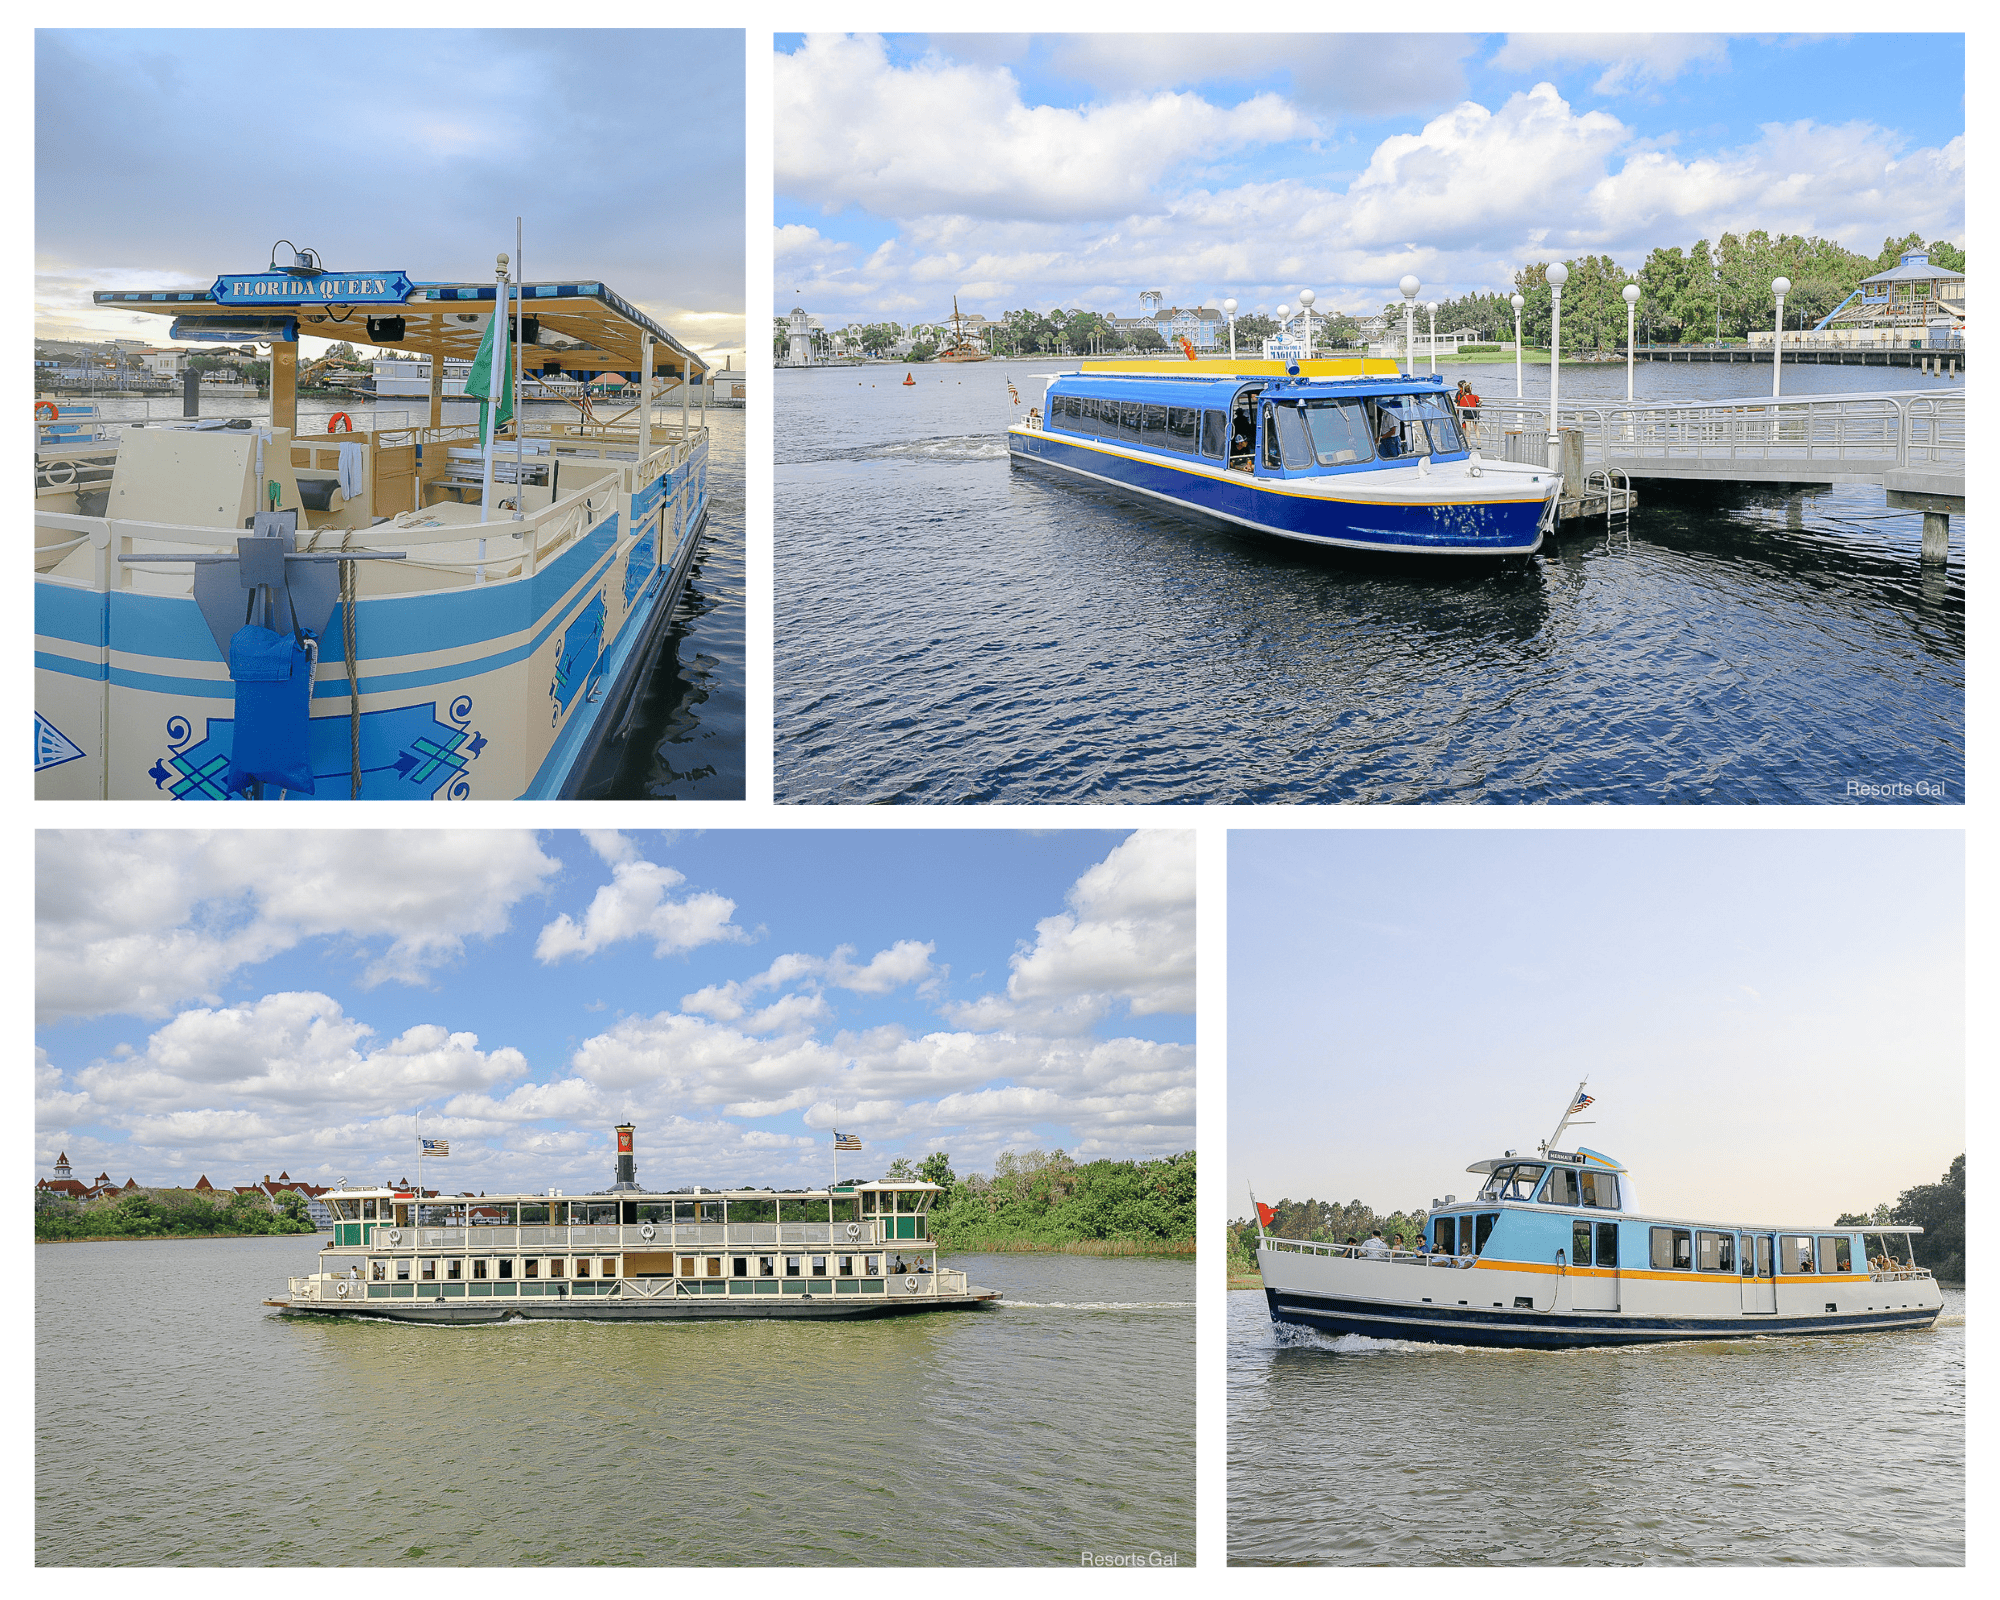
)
(846, 1141)
(1265, 1214)
(490, 378)
(436, 1149)
(1015, 393)
(1583, 1100)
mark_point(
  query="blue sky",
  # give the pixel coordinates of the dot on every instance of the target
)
(243, 1002)
(1081, 169)
(622, 149)
(1771, 1021)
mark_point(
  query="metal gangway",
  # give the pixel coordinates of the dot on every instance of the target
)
(1912, 445)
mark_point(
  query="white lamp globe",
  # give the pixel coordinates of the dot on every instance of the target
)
(1284, 312)
(1631, 292)
(1229, 308)
(1432, 308)
(1410, 285)
(1516, 302)
(1306, 298)
(1558, 274)
(1781, 286)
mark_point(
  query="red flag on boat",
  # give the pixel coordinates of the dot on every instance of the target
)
(1265, 1214)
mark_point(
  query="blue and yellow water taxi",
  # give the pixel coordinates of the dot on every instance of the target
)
(1553, 1253)
(1348, 454)
(381, 608)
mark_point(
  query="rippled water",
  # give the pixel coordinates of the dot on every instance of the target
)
(180, 1423)
(1843, 1450)
(686, 739)
(953, 629)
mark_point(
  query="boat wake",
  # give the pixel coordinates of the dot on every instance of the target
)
(1288, 1336)
(974, 447)
(1100, 1305)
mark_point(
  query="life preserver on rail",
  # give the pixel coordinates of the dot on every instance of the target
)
(49, 480)
(854, 1230)
(47, 411)
(646, 1230)
(909, 1283)
(339, 416)
(342, 1287)
(394, 1235)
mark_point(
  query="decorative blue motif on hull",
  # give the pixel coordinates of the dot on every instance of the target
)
(578, 656)
(52, 746)
(407, 753)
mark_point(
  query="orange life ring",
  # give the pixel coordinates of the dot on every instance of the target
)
(47, 411)
(339, 416)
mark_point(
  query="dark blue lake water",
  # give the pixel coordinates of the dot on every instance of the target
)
(951, 629)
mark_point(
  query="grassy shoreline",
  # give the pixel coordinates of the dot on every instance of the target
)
(1078, 1247)
(173, 1238)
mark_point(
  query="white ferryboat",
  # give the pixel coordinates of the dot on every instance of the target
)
(1553, 1253)
(435, 618)
(855, 1250)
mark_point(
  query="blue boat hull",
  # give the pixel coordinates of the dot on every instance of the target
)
(1539, 1330)
(1496, 528)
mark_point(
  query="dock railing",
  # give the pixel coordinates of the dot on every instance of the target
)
(1859, 434)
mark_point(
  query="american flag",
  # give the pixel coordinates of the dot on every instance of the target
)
(846, 1141)
(437, 1148)
(1583, 1100)
(1015, 393)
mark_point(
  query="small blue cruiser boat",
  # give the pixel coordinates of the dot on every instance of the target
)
(1554, 1254)
(1369, 461)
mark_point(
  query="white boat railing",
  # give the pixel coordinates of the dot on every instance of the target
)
(1355, 1252)
(641, 1236)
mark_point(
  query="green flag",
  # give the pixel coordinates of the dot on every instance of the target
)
(491, 377)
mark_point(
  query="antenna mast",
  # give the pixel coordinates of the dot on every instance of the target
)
(1577, 1102)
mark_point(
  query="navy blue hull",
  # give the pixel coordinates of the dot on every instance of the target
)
(1532, 1330)
(1495, 529)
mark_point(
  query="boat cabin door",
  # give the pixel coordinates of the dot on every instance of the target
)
(1593, 1275)
(1760, 1286)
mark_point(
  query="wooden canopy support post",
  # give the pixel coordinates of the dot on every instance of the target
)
(646, 381)
(285, 385)
(687, 377)
(437, 377)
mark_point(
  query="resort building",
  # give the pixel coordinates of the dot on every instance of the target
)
(1914, 305)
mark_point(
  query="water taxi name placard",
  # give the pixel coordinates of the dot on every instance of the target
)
(329, 288)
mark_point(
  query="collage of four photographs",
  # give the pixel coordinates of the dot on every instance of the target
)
(1247, 445)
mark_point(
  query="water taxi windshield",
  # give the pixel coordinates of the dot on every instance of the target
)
(1416, 425)
(1513, 1182)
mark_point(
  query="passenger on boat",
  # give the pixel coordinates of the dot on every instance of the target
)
(1375, 1246)
(1388, 437)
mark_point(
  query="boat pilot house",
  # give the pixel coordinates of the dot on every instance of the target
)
(384, 604)
(861, 1249)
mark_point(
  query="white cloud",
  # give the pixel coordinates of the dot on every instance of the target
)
(1631, 60)
(938, 136)
(907, 961)
(137, 922)
(634, 904)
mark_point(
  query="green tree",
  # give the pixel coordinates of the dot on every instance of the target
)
(937, 1169)
(1939, 1209)
(1146, 339)
(922, 351)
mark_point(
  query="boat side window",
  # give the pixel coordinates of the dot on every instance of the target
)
(1835, 1253)
(846, 1208)
(1215, 435)
(1607, 1244)
(368, 1211)
(534, 1267)
(1764, 1255)
(1271, 437)
(1715, 1252)
(1182, 423)
(1483, 1230)
(767, 1266)
(874, 1264)
(1579, 1243)
(1153, 426)
(715, 1266)
(479, 1267)
(555, 1266)
(739, 1266)
(608, 1267)
(1795, 1252)
(1673, 1249)
(402, 1269)
(506, 1266)
(819, 1266)
(454, 1269)
(656, 1211)
(792, 1264)
(378, 1270)
(1562, 1189)
(1128, 420)
(1295, 447)
(1340, 432)
(1444, 1238)
(582, 1266)
(1600, 1189)
(428, 1271)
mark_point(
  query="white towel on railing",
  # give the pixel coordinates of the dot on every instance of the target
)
(353, 471)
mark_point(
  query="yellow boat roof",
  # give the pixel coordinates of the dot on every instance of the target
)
(585, 327)
(1223, 367)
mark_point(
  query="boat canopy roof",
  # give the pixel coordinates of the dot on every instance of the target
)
(901, 1185)
(1207, 390)
(584, 328)
(1579, 1158)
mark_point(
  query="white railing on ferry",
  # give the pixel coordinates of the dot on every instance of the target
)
(641, 1236)
(1355, 1252)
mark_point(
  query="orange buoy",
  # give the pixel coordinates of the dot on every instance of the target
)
(908, 381)
(339, 416)
(46, 411)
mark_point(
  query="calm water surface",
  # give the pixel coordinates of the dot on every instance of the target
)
(951, 629)
(1844, 1450)
(197, 1428)
(686, 739)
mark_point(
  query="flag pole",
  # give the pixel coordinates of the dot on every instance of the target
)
(520, 277)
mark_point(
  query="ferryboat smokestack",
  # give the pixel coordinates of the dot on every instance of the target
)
(627, 1162)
